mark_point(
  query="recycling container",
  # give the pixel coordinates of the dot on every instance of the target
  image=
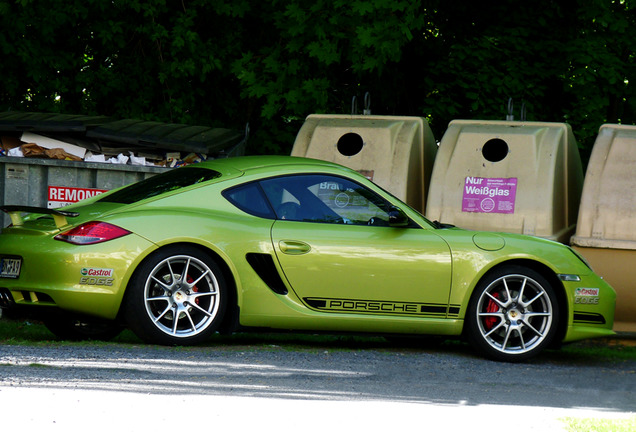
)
(396, 153)
(606, 228)
(518, 177)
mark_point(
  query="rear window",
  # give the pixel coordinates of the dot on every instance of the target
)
(162, 183)
(250, 199)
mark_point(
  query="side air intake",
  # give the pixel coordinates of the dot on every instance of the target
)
(263, 265)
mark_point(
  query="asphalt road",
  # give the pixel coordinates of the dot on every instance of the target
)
(136, 387)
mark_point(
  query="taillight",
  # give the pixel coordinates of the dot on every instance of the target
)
(91, 233)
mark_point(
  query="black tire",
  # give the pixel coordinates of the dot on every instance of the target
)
(75, 328)
(179, 282)
(513, 314)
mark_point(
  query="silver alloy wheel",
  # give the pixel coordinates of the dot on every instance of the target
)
(182, 296)
(514, 314)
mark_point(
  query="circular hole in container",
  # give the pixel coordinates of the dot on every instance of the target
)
(495, 150)
(350, 144)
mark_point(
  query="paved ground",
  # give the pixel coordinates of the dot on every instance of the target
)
(129, 387)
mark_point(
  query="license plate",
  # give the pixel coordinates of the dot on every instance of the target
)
(10, 267)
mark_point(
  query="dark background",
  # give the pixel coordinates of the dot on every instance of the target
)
(270, 63)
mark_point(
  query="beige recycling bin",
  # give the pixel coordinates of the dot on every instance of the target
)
(606, 229)
(396, 153)
(518, 177)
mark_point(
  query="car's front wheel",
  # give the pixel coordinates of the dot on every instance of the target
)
(512, 315)
(176, 297)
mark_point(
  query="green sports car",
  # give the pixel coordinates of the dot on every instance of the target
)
(279, 242)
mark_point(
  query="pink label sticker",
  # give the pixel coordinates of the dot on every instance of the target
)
(489, 195)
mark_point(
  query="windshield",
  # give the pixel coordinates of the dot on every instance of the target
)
(162, 183)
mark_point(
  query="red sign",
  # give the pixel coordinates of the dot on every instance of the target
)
(60, 196)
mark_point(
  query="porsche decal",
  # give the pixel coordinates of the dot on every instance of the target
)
(376, 307)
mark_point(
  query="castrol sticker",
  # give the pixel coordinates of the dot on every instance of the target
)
(587, 292)
(586, 295)
(102, 272)
(97, 276)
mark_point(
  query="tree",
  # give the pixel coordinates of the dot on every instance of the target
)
(271, 63)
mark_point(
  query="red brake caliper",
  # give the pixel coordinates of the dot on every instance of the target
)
(195, 289)
(492, 306)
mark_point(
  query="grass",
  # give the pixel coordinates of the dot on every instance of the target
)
(618, 348)
(31, 332)
(599, 425)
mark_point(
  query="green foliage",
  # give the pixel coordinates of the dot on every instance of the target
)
(573, 424)
(271, 63)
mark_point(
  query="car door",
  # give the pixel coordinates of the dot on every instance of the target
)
(334, 243)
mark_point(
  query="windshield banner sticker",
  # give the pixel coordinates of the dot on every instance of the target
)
(489, 195)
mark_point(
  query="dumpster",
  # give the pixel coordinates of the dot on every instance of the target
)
(396, 153)
(606, 228)
(64, 149)
(518, 177)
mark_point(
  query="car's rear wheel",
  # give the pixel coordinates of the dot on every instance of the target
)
(513, 314)
(176, 297)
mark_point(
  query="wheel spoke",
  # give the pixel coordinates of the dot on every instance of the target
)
(202, 294)
(537, 314)
(199, 279)
(172, 278)
(199, 308)
(175, 320)
(523, 287)
(184, 274)
(192, 325)
(496, 300)
(508, 296)
(500, 324)
(491, 314)
(531, 327)
(505, 341)
(159, 298)
(528, 303)
(165, 286)
(523, 342)
(162, 314)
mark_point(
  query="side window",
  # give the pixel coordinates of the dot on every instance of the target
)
(250, 199)
(326, 199)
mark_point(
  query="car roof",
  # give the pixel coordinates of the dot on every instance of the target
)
(251, 163)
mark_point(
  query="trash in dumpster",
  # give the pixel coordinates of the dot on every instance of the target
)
(51, 143)
(34, 150)
(104, 140)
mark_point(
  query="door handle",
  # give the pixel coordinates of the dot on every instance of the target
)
(293, 247)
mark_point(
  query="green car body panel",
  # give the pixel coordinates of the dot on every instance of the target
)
(415, 278)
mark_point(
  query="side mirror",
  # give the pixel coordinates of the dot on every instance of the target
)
(397, 217)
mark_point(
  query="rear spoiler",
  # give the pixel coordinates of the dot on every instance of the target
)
(15, 213)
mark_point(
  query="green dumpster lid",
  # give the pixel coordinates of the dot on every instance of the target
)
(167, 136)
(13, 121)
(129, 133)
